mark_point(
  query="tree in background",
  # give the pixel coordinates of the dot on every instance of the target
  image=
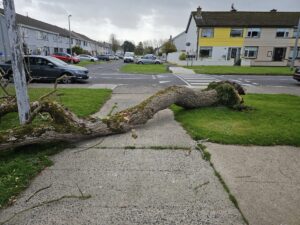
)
(77, 49)
(115, 44)
(168, 47)
(128, 46)
(149, 50)
(139, 50)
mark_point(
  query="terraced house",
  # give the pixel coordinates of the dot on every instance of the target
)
(42, 38)
(242, 38)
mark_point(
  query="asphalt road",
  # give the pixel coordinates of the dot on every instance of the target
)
(109, 74)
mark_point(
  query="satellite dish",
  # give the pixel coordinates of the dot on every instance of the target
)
(188, 44)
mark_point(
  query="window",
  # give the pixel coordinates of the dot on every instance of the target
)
(250, 52)
(205, 52)
(295, 32)
(207, 32)
(24, 32)
(253, 33)
(84, 43)
(55, 38)
(236, 32)
(292, 52)
(282, 33)
(42, 36)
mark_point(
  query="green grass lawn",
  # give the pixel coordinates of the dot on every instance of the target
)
(274, 121)
(241, 70)
(144, 69)
(19, 166)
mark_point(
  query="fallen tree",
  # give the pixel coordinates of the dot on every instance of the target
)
(66, 126)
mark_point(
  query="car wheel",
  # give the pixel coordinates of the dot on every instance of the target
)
(157, 62)
(140, 63)
(66, 79)
(92, 60)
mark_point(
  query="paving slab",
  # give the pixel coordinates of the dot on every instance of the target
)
(127, 187)
(265, 181)
(137, 186)
(181, 70)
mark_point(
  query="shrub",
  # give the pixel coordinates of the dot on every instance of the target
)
(182, 57)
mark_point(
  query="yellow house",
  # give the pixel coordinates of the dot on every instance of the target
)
(242, 38)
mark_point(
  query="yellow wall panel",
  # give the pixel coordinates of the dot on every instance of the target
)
(222, 38)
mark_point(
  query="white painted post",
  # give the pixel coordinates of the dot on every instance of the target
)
(17, 61)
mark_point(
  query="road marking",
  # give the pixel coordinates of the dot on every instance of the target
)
(183, 80)
(153, 77)
(164, 81)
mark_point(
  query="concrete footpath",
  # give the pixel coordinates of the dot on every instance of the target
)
(264, 180)
(158, 178)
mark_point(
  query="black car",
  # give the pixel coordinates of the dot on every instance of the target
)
(48, 68)
(103, 57)
(297, 74)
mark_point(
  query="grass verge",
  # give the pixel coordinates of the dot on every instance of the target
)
(273, 121)
(241, 70)
(144, 69)
(19, 166)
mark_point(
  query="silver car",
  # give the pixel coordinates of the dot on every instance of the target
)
(83, 57)
(148, 59)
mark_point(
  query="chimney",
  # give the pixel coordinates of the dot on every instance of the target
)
(233, 9)
(199, 13)
(273, 10)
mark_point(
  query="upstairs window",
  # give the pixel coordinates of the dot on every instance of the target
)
(207, 32)
(295, 33)
(250, 52)
(282, 33)
(253, 33)
(42, 36)
(236, 32)
(205, 52)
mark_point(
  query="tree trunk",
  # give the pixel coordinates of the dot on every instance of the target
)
(66, 126)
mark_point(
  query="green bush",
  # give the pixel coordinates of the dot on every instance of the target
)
(182, 57)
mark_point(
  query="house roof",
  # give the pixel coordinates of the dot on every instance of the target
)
(30, 22)
(245, 19)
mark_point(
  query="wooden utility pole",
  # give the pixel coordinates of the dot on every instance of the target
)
(17, 61)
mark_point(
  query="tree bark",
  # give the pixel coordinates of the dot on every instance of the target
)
(66, 126)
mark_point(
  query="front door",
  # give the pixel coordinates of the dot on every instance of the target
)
(279, 54)
(234, 53)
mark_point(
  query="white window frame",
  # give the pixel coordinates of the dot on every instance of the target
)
(286, 32)
(250, 32)
(206, 48)
(207, 32)
(236, 28)
(249, 49)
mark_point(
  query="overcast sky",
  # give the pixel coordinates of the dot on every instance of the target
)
(135, 20)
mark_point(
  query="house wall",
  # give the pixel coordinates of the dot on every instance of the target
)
(180, 42)
(221, 38)
(266, 44)
(191, 37)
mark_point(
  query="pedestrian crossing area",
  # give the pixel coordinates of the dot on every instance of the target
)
(202, 80)
(197, 80)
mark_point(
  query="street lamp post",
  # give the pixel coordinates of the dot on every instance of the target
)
(70, 40)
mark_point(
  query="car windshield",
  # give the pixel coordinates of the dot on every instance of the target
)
(56, 61)
(129, 54)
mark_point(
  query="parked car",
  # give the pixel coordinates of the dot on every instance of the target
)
(148, 59)
(49, 68)
(83, 57)
(103, 57)
(66, 57)
(297, 74)
(129, 57)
